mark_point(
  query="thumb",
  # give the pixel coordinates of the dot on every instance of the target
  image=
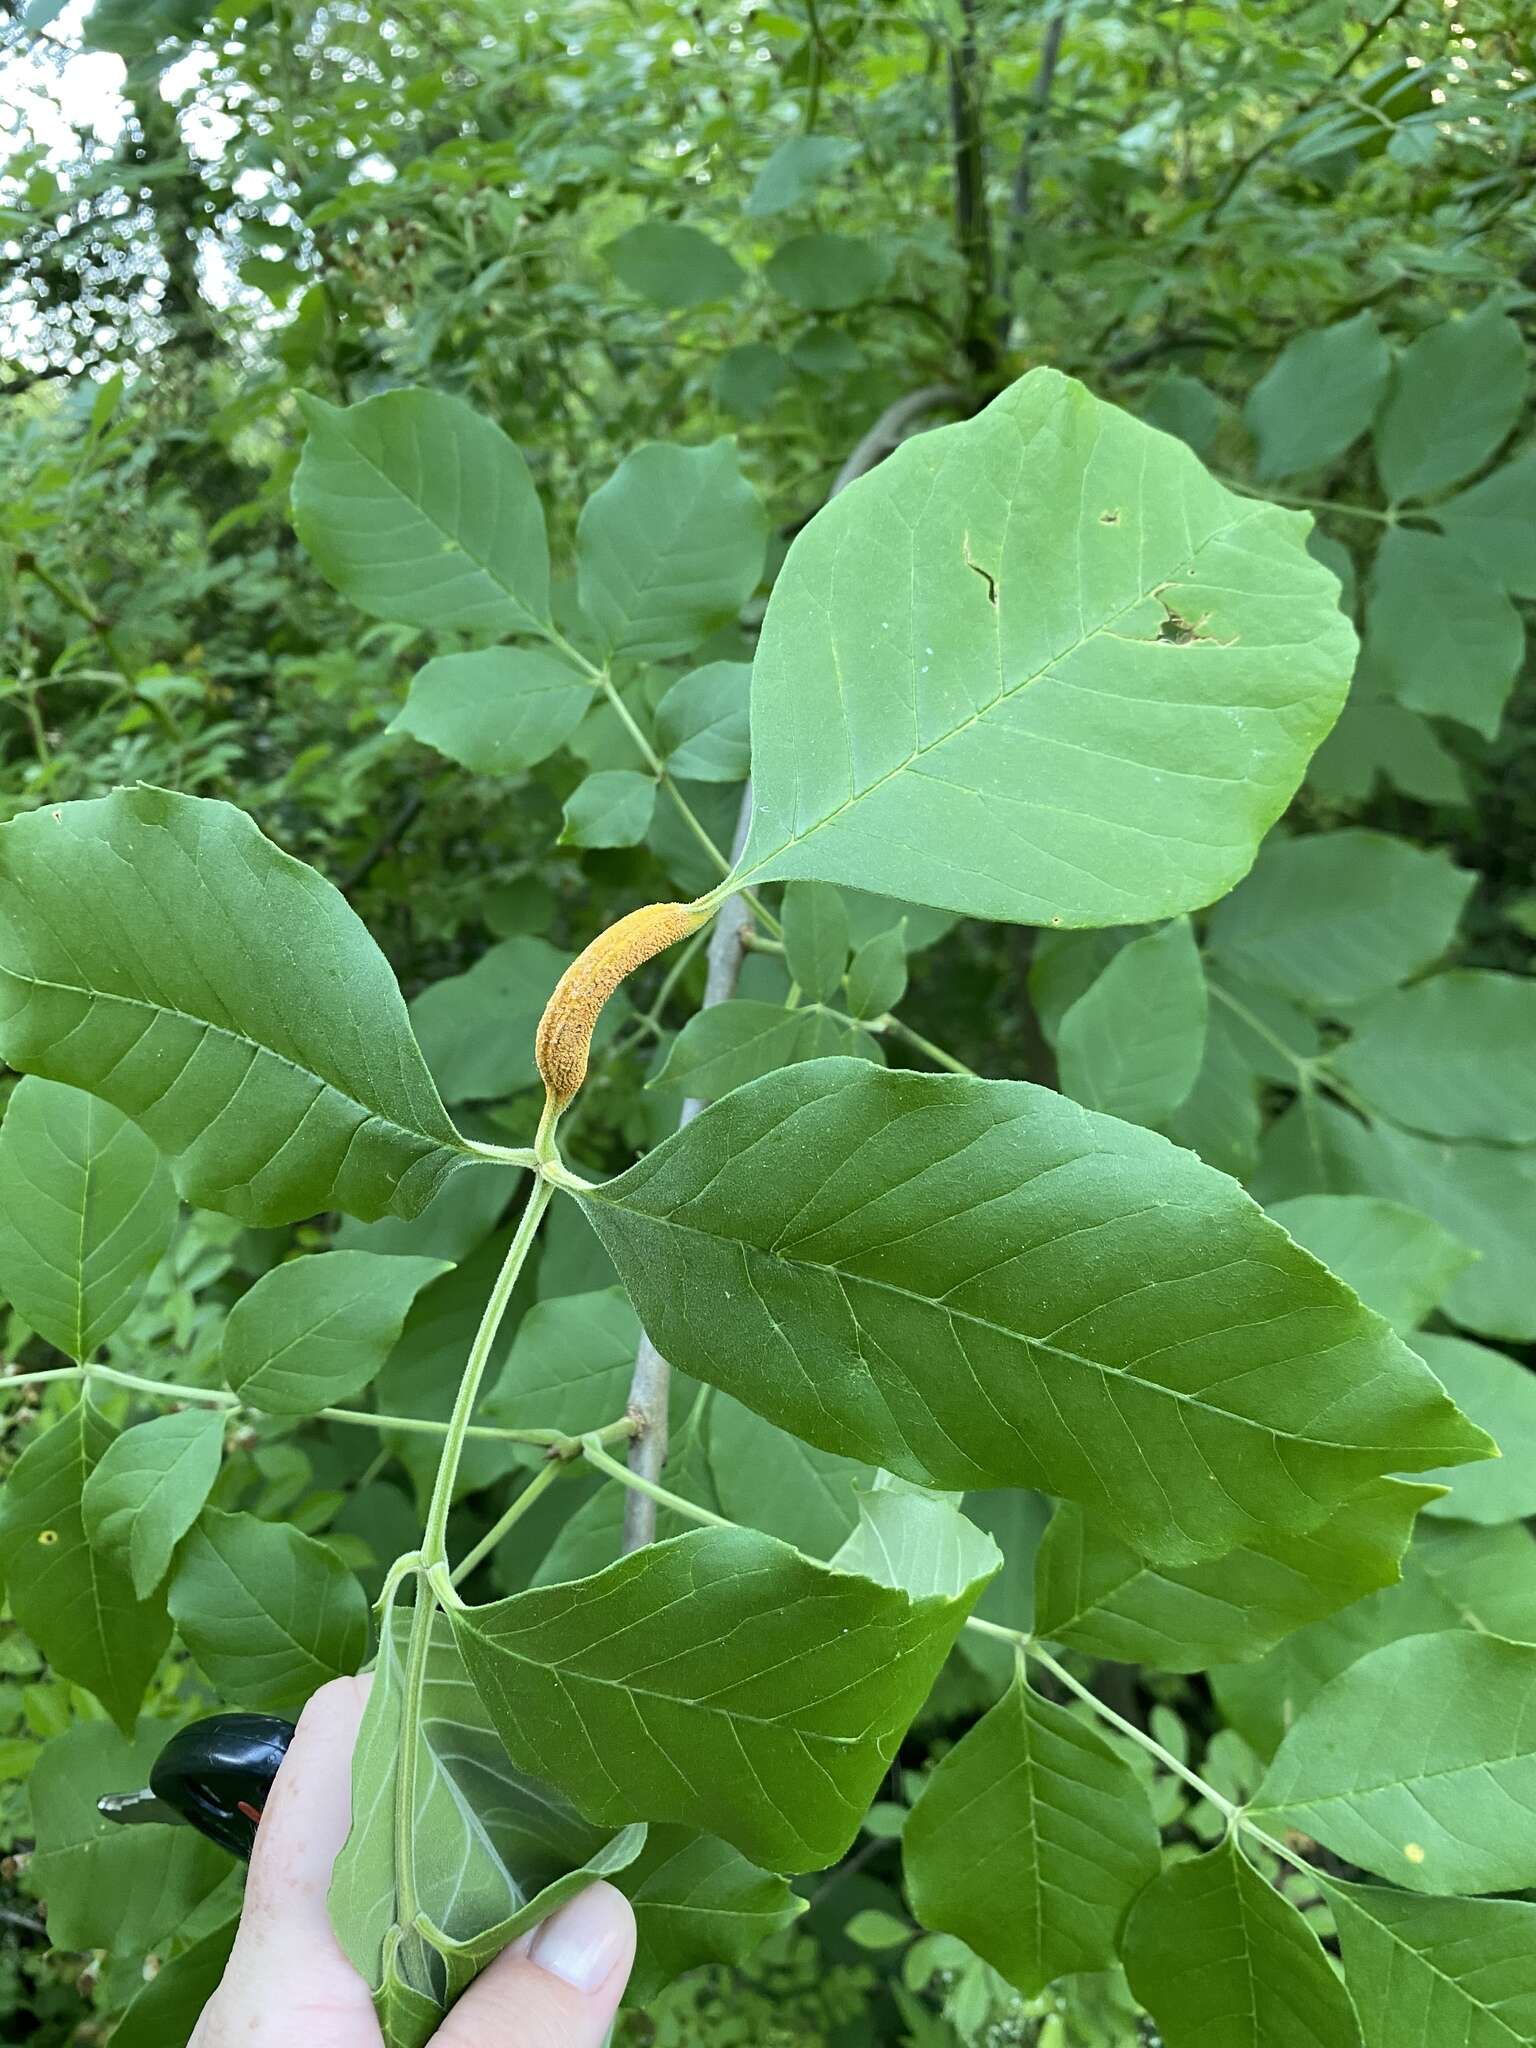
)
(556, 1988)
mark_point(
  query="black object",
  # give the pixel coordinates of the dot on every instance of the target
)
(214, 1773)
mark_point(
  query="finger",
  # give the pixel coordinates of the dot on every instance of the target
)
(287, 1961)
(559, 1988)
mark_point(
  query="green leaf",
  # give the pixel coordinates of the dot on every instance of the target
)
(476, 1030)
(734, 1042)
(121, 1889)
(1069, 752)
(1455, 1575)
(165, 2012)
(611, 808)
(497, 710)
(826, 352)
(1481, 1194)
(1453, 1057)
(1340, 916)
(816, 938)
(1499, 1394)
(671, 547)
(701, 723)
(1457, 393)
(796, 168)
(1220, 1119)
(917, 1543)
(1442, 637)
(1182, 405)
(1426, 1972)
(315, 1331)
(87, 1208)
(877, 974)
(673, 266)
(1093, 1592)
(158, 951)
(698, 1901)
(1493, 522)
(826, 273)
(570, 1365)
(1029, 1841)
(749, 378)
(1378, 741)
(1399, 1262)
(76, 1605)
(785, 1487)
(719, 1680)
(810, 1245)
(457, 1220)
(148, 1489)
(268, 1613)
(1318, 397)
(419, 510)
(1419, 1763)
(1133, 1044)
(1222, 1960)
(491, 1850)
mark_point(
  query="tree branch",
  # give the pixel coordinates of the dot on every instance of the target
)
(1024, 170)
(1256, 156)
(973, 226)
(650, 1385)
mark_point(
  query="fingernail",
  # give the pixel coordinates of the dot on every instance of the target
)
(583, 1941)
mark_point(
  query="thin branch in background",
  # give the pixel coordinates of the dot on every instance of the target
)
(650, 1385)
(1024, 170)
(1256, 156)
(973, 224)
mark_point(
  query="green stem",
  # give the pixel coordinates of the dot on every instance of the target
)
(1342, 506)
(417, 1652)
(594, 1453)
(926, 1046)
(1137, 1735)
(540, 1483)
(434, 1541)
(363, 1418)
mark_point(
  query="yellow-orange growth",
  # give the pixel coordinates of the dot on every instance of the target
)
(571, 1014)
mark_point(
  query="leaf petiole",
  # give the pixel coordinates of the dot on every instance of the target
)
(594, 1453)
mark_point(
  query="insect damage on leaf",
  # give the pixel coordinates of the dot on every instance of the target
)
(570, 1016)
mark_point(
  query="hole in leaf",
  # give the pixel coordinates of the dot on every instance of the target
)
(987, 578)
(1175, 631)
(1109, 519)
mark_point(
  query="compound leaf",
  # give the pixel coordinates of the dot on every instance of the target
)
(148, 1489)
(76, 1604)
(1030, 668)
(418, 509)
(159, 951)
(1029, 1841)
(895, 1266)
(1222, 1960)
(87, 1208)
(269, 1613)
(315, 1331)
(1419, 1763)
(719, 1680)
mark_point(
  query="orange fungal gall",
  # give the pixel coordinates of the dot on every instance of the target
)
(571, 1014)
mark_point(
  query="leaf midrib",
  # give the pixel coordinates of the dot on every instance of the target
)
(1176, 574)
(847, 1278)
(98, 995)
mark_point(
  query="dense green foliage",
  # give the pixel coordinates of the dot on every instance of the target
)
(1077, 459)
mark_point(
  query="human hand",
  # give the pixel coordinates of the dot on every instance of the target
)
(288, 1984)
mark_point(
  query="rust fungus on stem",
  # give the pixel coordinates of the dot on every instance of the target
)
(571, 1014)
